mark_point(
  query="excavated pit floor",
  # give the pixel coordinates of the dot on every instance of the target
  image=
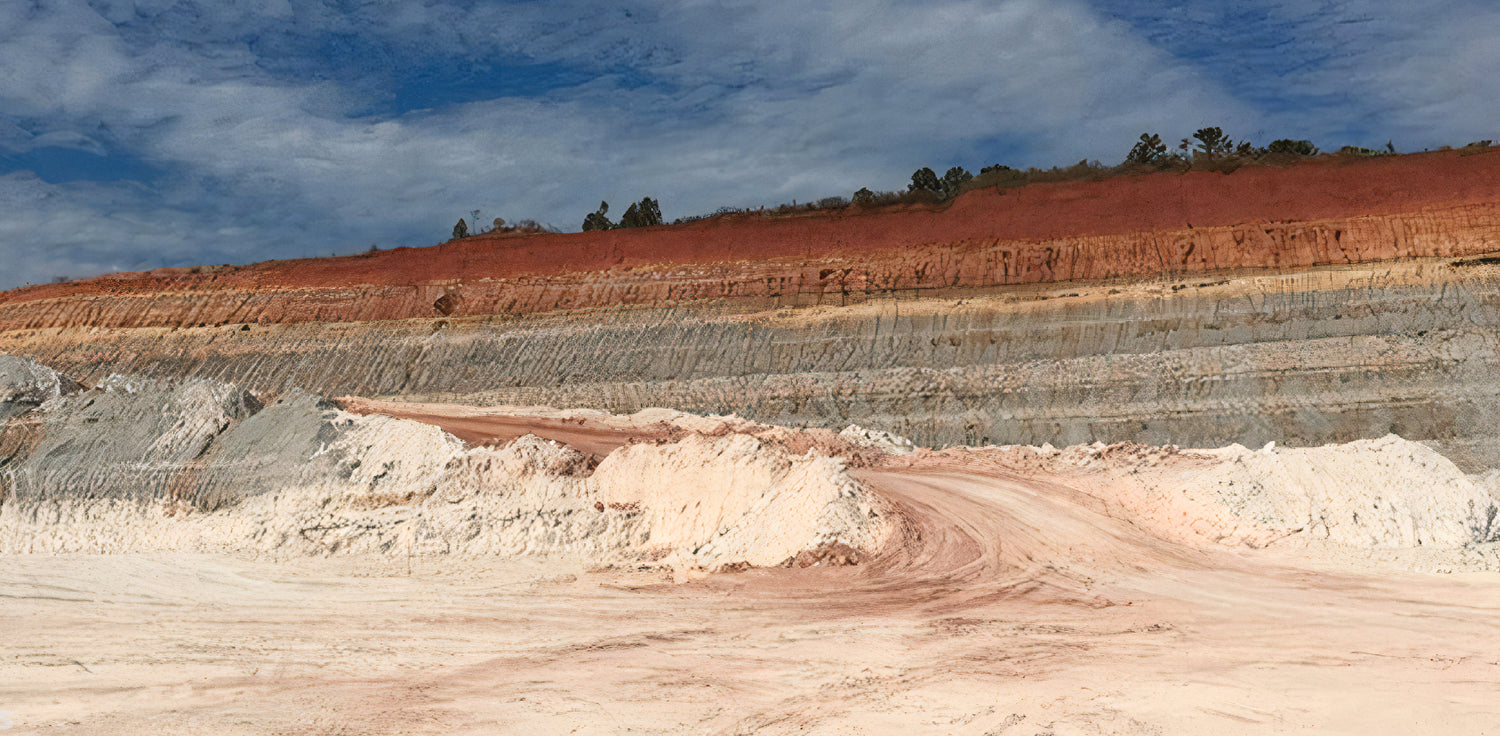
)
(1003, 606)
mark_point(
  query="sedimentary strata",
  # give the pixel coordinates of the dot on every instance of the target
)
(1331, 301)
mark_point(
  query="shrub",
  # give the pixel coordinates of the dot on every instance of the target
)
(1291, 147)
(531, 226)
(461, 230)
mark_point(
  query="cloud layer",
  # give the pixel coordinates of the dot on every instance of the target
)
(148, 133)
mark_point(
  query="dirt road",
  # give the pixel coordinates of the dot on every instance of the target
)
(1004, 607)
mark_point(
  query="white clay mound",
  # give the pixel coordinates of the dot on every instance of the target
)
(1387, 493)
(720, 500)
(878, 439)
(382, 485)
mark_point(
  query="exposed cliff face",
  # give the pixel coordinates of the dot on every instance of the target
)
(25, 385)
(1302, 358)
(1307, 305)
(1321, 213)
(822, 277)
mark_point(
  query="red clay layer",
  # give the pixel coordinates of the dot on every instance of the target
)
(1319, 212)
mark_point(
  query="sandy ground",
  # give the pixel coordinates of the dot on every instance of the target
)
(1005, 607)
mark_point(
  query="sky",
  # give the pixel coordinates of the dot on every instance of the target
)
(143, 133)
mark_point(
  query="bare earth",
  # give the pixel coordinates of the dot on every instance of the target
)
(1005, 606)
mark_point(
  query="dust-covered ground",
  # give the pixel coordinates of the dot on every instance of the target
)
(187, 559)
(1002, 607)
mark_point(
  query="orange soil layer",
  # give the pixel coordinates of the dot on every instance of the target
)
(1317, 213)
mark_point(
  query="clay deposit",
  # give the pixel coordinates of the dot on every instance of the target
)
(137, 465)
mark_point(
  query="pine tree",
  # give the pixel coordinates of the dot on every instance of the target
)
(926, 180)
(1148, 150)
(954, 180)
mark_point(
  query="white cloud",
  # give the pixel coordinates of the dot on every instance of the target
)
(262, 134)
(1342, 71)
(1432, 79)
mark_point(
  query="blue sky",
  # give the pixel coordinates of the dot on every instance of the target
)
(136, 134)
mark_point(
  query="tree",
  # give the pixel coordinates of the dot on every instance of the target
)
(644, 213)
(954, 180)
(650, 212)
(632, 216)
(926, 180)
(1212, 142)
(1291, 147)
(461, 230)
(864, 196)
(596, 220)
(1148, 150)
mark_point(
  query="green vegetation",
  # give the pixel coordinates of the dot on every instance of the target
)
(955, 180)
(1362, 152)
(644, 213)
(597, 219)
(1148, 150)
(1287, 146)
(1209, 149)
(1212, 143)
(925, 180)
(497, 225)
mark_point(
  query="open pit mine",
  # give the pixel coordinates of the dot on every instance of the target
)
(1156, 454)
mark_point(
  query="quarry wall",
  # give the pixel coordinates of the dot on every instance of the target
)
(1321, 303)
